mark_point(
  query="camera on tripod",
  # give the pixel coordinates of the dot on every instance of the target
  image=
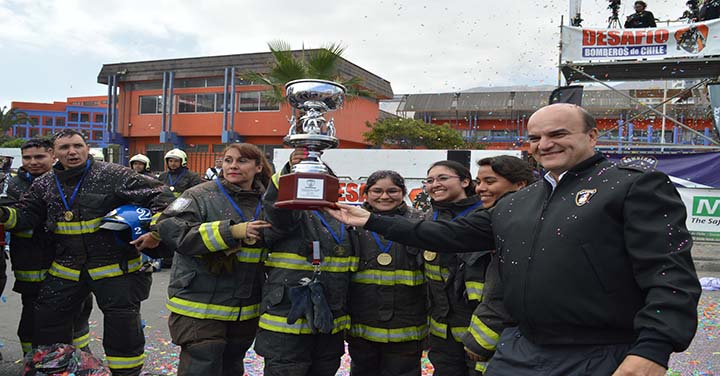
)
(614, 5)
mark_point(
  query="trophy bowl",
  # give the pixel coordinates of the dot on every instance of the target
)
(310, 186)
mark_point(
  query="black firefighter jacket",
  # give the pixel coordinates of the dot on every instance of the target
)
(205, 281)
(180, 180)
(602, 259)
(388, 302)
(80, 242)
(290, 260)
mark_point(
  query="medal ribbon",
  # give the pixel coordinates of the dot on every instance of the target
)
(67, 203)
(235, 206)
(383, 248)
(462, 213)
(338, 239)
(170, 179)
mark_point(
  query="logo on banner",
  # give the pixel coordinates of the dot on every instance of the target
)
(692, 39)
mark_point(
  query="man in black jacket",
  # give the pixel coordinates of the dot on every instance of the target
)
(641, 18)
(595, 261)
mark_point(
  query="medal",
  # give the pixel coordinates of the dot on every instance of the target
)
(384, 259)
(340, 250)
(68, 202)
(429, 255)
(249, 241)
(171, 182)
(172, 189)
(68, 216)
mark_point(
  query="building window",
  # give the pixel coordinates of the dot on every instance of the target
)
(151, 104)
(97, 135)
(99, 118)
(188, 103)
(255, 101)
(218, 148)
(47, 120)
(59, 121)
(84, 118)
(21, 132)
(73, 116)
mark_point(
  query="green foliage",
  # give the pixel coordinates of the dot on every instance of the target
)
(319, 64)
(10, 117)
(411, 133)
(13, 143)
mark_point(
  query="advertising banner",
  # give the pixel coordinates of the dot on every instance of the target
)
(714, 91)
(703, 213)
(683, 40)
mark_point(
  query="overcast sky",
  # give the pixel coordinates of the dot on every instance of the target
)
(50, 50)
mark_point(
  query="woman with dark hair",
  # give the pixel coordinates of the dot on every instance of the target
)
(387, 297)
(500, 175)
(455, 280)
(216, 279)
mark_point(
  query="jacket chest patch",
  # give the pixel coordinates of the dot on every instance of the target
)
(584, 196)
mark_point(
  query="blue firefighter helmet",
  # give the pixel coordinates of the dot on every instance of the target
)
(134, 218)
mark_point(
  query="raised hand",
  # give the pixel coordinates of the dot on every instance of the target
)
(349, 214)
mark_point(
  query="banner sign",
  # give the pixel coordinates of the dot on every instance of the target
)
(703, 213)
(696, 170)
(683, 40)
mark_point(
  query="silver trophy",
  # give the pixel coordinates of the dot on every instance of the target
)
(309, 186)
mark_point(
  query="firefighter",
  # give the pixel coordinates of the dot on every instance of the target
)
(31, 251)
(216, 280)
(455, 281)
(178, 177)
(140, 163)
(303, 314)
(71, 201)
(388, 299)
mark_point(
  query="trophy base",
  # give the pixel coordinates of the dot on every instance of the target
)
(307, 191)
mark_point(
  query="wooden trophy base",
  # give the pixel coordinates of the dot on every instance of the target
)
(307, 191)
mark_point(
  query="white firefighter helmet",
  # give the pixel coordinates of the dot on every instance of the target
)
(141, 158)
(177, 154)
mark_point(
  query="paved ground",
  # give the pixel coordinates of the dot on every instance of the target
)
(702, 358)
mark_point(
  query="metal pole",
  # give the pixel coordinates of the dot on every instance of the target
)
(664, 112)
(560, 47)
(650, 108)
(171, 90)
(109, 105)
(225, 99)
(232, 99)
(162, 107)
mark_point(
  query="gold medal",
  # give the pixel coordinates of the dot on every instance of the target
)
(249, 241)
(68, 216)
(172, 188)
(384, 259)
(429, 255)
(340, 250)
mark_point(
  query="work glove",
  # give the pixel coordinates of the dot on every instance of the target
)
(323, 321)
(300, 303)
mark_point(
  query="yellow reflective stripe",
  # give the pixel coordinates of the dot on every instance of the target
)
(438, 329)
(292, 261)
(30, 275)
(276, 179)
(78, 228)
(64, 272)
(114, 270)
(82, 341)
(389, 277)
(481, 367)
(483, 335)
(12, 218)
(207, 310)
(383, 335)
(26, 347)
(458, 332)
(27, 234)
(124, 362)
(154, 218)
(250, 255)
(249, 312)
(436, 273)
(279, 324)
(474, 290)
(210, 235)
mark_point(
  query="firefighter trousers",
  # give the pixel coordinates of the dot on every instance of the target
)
(211, 347)
(119, 300)
(384, 359)
(448, 357)
(81, 328)
(300, 354)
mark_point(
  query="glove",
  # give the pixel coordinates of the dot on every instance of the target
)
(323, 321)
(300, 305)
(239, 231)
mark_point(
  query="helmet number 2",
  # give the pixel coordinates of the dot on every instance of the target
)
(144, 214)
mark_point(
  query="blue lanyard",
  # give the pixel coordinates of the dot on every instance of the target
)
(462, 213)
(170, 179)
(383, 248)
(338, 239)
(68, 203)
(234, 205)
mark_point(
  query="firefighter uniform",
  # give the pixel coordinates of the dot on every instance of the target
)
(214, 297)
(87, 258)
(388, 304)
(180, 180)
(297, 348)
(599, 262)
(455, 287)
(31, 253)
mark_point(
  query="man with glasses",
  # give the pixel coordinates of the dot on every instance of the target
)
(595, 260)
(71, 200)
